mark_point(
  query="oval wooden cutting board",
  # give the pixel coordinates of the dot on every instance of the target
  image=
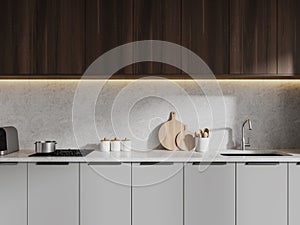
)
(168, 132)
(185, 140)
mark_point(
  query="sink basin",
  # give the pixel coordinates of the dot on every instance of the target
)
(254, 153)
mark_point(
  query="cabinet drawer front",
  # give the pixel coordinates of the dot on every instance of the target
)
(294, 195)
(262, 194)
(157, 194)
(208, 193)
(105, 194)
(13, 193)
(53, 194)
(148, 174)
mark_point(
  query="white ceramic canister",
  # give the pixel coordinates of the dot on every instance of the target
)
(104, 145)
(115, 145)
(202, 144)
(126, 145)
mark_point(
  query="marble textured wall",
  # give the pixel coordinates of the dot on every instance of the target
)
(42, 110)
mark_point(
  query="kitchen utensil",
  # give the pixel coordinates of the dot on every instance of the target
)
(126, 145)
(115, 145)
(9, 141)
(45, 146)
(104, 145)
(168, 132)
(185, 140)
(205, 133)
(200, 133)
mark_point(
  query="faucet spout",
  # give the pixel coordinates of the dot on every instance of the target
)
(243, 142)
(250, 124)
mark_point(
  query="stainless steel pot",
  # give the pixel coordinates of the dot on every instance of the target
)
(45, 146)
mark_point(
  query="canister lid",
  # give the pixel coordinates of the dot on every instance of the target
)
(104, 140)
(42, 142)
(115, 139)
(125, 139)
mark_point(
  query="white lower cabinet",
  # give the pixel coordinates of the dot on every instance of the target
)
(261, 193)
(209, 194)
(13, 193)
(157, 194)
(53, 194)
(105, 194)
(294, 193)
(149, 193)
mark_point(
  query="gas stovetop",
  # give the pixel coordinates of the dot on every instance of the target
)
(64, 153)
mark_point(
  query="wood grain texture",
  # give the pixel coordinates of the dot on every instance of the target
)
(168, 132)
(205, 31)
(17, 37)
(185, 140)
(109, 24)
(157, 20)
(289, 36)
(60, 27)
(253, 37)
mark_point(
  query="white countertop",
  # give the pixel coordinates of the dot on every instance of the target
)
(154, 156)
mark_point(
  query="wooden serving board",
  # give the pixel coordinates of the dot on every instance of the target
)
(185, 140)
(168, 132)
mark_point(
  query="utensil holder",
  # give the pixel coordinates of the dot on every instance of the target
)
(202, 144)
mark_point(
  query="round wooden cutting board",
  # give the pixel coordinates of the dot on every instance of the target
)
(168, 132)
(185, 140)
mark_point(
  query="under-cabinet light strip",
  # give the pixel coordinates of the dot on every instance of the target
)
(152, 80)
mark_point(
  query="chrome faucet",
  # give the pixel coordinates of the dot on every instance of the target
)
(243, 142)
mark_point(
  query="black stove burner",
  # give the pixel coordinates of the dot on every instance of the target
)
(64, 153)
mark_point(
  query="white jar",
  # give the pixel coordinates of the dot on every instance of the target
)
(105, 145)
(115, 145)
(201, 144)
(126, 145)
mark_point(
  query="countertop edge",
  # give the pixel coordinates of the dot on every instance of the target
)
(151, 156)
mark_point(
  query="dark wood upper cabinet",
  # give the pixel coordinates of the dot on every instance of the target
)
(61, 36)
(157, 20)
(253, 37)
(17, 37)
(289, 36)
(205, 31)
(109, 24)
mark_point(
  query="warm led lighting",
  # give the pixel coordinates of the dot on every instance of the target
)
(155, 80)
(39, 80)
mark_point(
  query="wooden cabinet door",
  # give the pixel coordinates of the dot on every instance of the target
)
(261, 193)
(209, 194)
(205, 31)
(105, 189)
(17, 37)
(253, 32)
(288, 37)
(53, 193)
(60, 28)
(157, 20)
(109, 24)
